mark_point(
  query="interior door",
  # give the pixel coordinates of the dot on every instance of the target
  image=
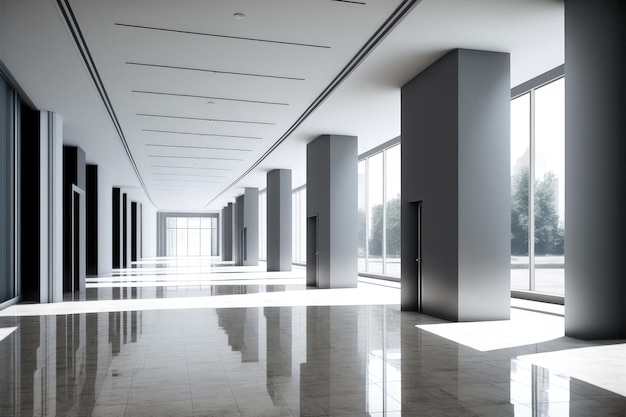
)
(418, 257)
(312, 256)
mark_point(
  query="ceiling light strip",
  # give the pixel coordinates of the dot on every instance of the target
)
(210, 98)
(201, 134)
(205, 119)
(198, 147)
(215, 35)
(72, 25)
(216, 72)
(392, 21)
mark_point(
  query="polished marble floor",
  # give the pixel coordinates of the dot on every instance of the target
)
(192, 337)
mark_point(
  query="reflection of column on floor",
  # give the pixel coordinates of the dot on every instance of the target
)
(424, 355)
(70, 364)
(231, 320)
(114, 332)
(242, 328)
(336, 364)
(250, 348)
(30, 364)
(279, 345)
(539, 388)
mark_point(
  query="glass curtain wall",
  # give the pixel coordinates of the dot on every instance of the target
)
(8, 196)
(191, 236)
(298, 225)
(263, 224)
(379, 213)
(538, 189)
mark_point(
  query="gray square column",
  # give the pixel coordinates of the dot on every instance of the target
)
(456, 188)
(279, 220)
(331, 178)
(227, 232)
(595, 170)
(247, 227)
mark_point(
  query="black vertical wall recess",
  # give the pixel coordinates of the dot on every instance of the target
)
(133, 231)
(29, 203)
(124, 231)
(116, 228)
(92, 220)
(74, 173)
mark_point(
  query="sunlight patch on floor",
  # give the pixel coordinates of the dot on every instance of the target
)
(603, 366)
(524, 328)
(363, 295)
(168, 282)
(6, 332)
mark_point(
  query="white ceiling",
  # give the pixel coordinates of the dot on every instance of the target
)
(200, 97)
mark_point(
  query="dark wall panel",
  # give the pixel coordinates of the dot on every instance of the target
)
(74, 175)
(30, 204)
(133, 231)
(117, 227)
(124, 230)
(92, 220)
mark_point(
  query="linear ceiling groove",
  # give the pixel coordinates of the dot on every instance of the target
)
(239, 100)
(177, 180)
(195, 157)
(72, 25)
(391, 22)
(206, 119)
(190, 167)
(201, 134)
(198, 147)
(215, 35)
(216, 72)
(175, 174)
(351, 2)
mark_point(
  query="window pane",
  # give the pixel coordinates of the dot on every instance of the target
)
(181, 222)
(375, 213)
(294, 228)
(263, 225)
(7, 193)
(171, 242)
(520, 179)
(171, 222)
(205, 222)
(361, 232)
(550, 187)
(214, 244)
(193, 242)
(181, 242)
(205, 242)
(193, 222)
(302, 242)
(392, 203)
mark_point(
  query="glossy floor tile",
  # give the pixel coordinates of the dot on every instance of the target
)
(189, 338)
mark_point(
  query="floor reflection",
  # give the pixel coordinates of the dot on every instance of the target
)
(368, 360)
